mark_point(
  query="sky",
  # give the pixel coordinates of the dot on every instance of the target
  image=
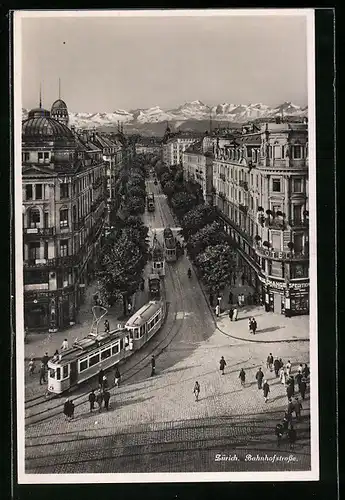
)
(138, 62)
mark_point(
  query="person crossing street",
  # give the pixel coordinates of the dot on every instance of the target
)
(196, 390)
(222, 364)
(259, 377)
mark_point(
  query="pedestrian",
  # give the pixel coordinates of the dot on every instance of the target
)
(242, 377)
(289, 392)
(235, 314)
(32, 366)
(281, 362)
(217, 310)
(239, 300)
(282, 375)
(276, 367)
(153, 365)
(306, 371)
(298, 379)
(106, 398)
(106, 326)
(211, 299)
(71, 409)
(286, 421)
(55, 356)
(292, 436)
(42, 374)
(300, 369)
(290, 407)
(303, 388)
(64, 345)
(45, 359)
(92, 399)
(254, 325)
(250, 325)
(219, 299)
(196, 390)
(105, 383)
(100, 377)
(279, 431)
(222, 364)
(243, 300)
(259, 376)
(291, 382)
(129, 307)
(66, 409)
(266, 389)
(231, 297)
(270, 362)
(298, 408)
(117, 377)
(288, 367)
(231, 313)
(99, 399)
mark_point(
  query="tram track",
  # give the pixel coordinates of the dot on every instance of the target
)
(78, 400)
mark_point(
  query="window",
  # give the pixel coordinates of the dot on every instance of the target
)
(34, 217)
(40, 157)
(64, 217)
(115, 349)
(51, 373)
(46, 157)
(297, 185)
(277, 152)
(28, 191)
(58, 373)
(38, 189)
(297, 152)
(276, 185)
(65, 371)
(297, 212)
(63, 248)
(106, 354)
(64, 190)
(298, 243)
(121, 344)
(34, 250)
(26, 156)
(82, 365)
(94, 360)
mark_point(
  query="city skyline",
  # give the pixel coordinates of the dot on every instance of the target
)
(98, 75)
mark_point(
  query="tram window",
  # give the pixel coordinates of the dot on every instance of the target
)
(136, 333)
(65, 371)
(83, 365)
(142, 329)
(106, 354)
(94, 360)
(115, 349)
(51, 373)
(121, 344)
(58, 373)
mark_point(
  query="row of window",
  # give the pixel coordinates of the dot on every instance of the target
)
(276, 186)
(101, 355)
(153, 321)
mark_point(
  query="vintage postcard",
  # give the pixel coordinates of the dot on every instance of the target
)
(165, 233)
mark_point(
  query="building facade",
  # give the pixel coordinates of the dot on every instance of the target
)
(174, 144)
(197, 162)
(64, 205)
(260, 187)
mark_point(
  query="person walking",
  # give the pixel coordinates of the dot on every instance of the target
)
(32, 366)
(105, 383)
(300, 369)
(306, 371)
(196, 390)
(153, 365)
(254, 325)
(242, 377)
(279, 431)
(298, 408)
(292, 436)
(303, 388)
(290, 407)
(71, 410)
(270, 362)
(42, 374)
(231, 313)
(281, 363)
(288, 367)
(45, 360)
(100, 377)
(217, 310)
(276, 365)
(259, 376)
(291, 382)
(66, 409)
(55, 356)
(106, 398)
(106, 326)
(239, 300)
(99, 399)
(222, 364)
(235, 314)
(92, 399)
(231, 298)
(250, 325)
(129, 308)
(282, 375)
(266, 389)
(219, 300)
(117, 377)
(289, 392)
(298, 379)
(64, 345)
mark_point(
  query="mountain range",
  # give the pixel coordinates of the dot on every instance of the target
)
(138, 120)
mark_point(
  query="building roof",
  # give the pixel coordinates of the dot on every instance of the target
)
(254, 139)
(195, 148)
(41, 125)
(59, 104)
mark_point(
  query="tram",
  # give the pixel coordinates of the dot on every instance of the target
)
(151, 202)
(169, 245)
(87, 356)
(158, 261)
(154, 285)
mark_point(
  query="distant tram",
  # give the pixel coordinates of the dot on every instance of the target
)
(88, 355)
(154, 285)
(169, 245)
(150, 202)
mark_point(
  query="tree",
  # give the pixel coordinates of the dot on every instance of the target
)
(197, 218)
(209, 235)
(216, 265)
(166, 177)
(182, 203)
(169, 188)
(134, 206)
(134, 190)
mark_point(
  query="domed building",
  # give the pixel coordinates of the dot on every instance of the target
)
(59, 112)
(63, 215)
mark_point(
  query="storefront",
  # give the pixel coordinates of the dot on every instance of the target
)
(299, 298)
(290, 299)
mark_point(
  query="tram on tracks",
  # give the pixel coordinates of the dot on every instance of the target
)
(84, 359)
(169, 245)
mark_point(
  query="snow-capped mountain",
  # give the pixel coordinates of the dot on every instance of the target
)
(189, 111)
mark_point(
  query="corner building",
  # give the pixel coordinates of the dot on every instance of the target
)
(260, 187)
(64, 204)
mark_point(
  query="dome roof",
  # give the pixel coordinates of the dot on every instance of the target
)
(40, 124)
(59, 104)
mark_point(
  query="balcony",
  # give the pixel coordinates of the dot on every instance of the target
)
(244, 185)
(275, 223)
(66, 261)
(301, 222)
(278, 255)
(39, 231)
